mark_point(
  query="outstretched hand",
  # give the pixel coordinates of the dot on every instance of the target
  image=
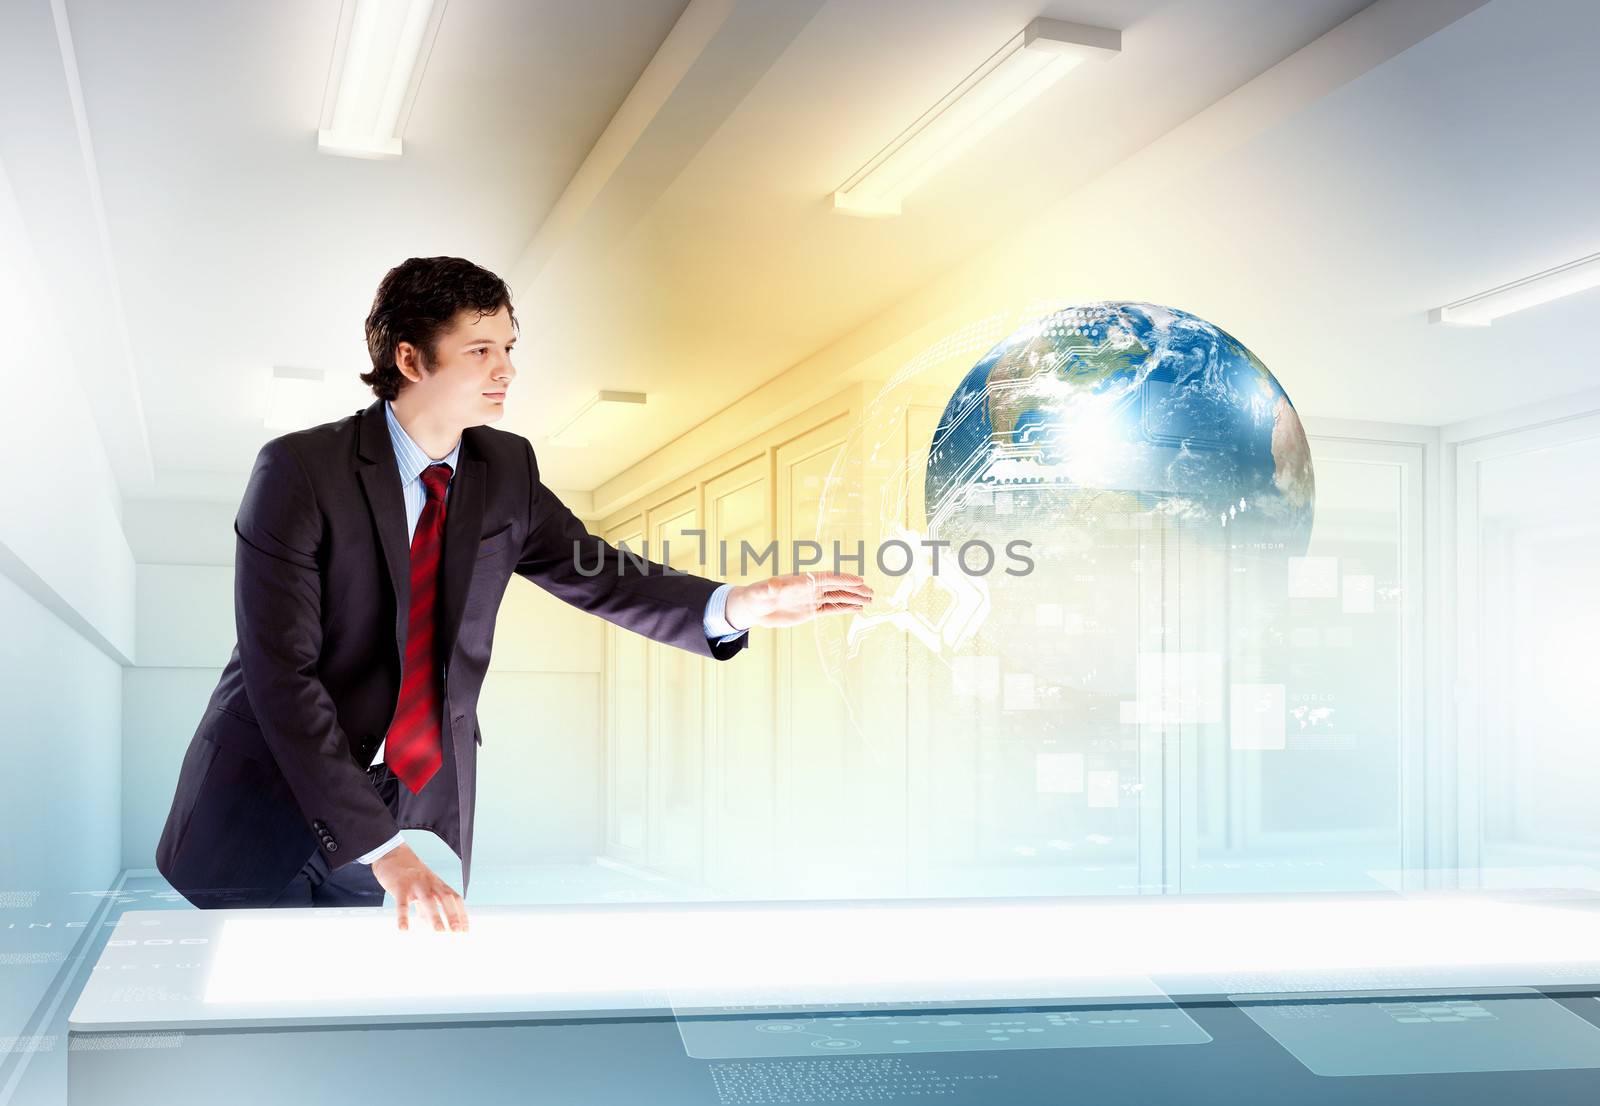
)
(786, 600)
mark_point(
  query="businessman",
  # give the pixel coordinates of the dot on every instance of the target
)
(372, 554)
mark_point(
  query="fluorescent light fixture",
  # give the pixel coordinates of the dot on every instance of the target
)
(378, 57)
(296, 398)
(1552, 284)
(1045, 51)
(602, 415)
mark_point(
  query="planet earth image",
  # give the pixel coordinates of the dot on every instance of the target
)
(1118, 409)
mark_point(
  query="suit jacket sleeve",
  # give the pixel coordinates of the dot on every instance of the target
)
(649, 598)
(278, 614)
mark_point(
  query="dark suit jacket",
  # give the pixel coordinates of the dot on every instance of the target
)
(276, 768)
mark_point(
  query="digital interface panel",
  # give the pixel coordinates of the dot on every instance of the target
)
(176, 969)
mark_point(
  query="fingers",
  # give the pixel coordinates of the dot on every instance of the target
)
(838, 587)
(846, 599)
(834, 592)
(404, 908)
(840, 581)
(447, 909)
(455, 909)
(796, 598)
(431, 904)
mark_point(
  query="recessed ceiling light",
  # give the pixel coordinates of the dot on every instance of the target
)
(602, 415)
(378, 58)
(1045, 51)
(296, 398)
(1552, 284)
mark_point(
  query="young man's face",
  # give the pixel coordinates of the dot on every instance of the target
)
(466, 382)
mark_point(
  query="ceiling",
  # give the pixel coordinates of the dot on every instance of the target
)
(652, 178)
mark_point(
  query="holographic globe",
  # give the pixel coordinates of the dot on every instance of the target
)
(1120, 410)
(1105, 506)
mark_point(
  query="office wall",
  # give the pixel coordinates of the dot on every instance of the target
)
(184, 634)
(1436, 729)
(1524, 598)
(59, 701)
(815, 766)
(66, 599)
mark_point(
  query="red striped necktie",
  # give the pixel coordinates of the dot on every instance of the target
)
(412, 748)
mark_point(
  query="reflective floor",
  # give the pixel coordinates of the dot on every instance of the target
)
(1489, 1044)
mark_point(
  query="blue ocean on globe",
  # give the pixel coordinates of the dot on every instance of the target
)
(1124, 408)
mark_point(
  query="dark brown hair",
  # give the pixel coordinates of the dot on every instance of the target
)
(418, 301)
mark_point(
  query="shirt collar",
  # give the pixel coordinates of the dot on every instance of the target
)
(411, 457)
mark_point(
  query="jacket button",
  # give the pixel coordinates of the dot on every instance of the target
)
(333, 846)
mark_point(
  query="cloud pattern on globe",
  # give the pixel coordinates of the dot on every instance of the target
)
(1126, 408)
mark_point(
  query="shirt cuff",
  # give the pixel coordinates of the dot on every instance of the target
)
(393, 843)
(716, 624)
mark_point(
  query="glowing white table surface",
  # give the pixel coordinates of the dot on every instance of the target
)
(260, 968)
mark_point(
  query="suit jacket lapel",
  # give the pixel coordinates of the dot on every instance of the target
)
(463, 522)
(380, 479)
